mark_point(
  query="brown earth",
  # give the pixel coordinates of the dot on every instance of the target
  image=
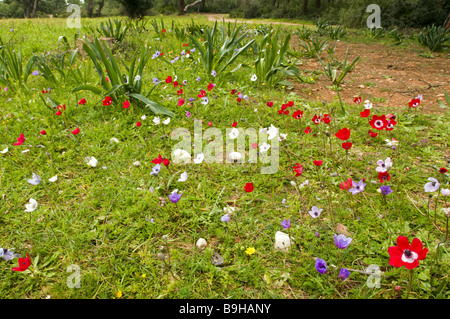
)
(388, 75)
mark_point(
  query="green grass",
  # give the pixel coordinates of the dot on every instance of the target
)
(99, 217)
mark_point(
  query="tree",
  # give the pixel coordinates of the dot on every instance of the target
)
(136, 8)
(90, 8)
(100, 7)
(180, 7)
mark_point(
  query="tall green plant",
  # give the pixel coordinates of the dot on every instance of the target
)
(331, 71)
(121, 84)
(13, 72)
(219, 52)
(433, 37)
(271, 63)
(113, 29)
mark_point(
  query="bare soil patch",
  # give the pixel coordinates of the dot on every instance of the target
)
(387, 76)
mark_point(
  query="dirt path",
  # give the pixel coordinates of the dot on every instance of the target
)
(387, 76)
(219, 17)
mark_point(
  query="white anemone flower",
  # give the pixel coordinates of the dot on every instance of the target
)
(264, 147)
(272, 131)
(234, 133)
(384, 166)
(91, 161)
(31, 206)
(181, 156)
(183, 177)
(35, 180)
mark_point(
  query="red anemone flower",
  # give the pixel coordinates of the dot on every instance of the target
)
(169, 79)
(211, 86)
(43, 132)
(372, 134)
(76, 131)
(347, 184)
(82, 102)
(414, 103)
(357, 100)
(316, 119)
(20, 140)
(378, 122)
(269, 104)
(443, 170)
(365, 113)
(290, 103)
(298, 169)
(248, 187)
(138, 124)
(318, 163)
(24, 263)
(384, 176)
(347, 145)
(405, 254)
(297, 114)
(126, 104)
(180, 102)
(233, 92)
(234, 124)
(391, 124)
(160, 160)
(326, 118)
(202, 93)
(107, 101)
(343, 134)
(307, 130)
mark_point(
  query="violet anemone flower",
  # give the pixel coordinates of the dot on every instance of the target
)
(341, 241)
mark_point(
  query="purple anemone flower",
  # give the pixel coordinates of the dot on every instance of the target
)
(357, 187)
(432, 186)
(225, 218)
(315, 212)
(155, 170)
(174, 197)
(286, 223)
(341, 241)
(155, 80)
(321, 266)
(344, 273)
(385, 190)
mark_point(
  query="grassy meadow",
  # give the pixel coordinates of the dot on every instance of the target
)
(104, 225)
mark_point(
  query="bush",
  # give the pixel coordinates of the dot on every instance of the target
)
(251, 9)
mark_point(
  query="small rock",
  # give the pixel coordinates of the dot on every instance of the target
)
(282, 241)
(201, 244)
(341, 229)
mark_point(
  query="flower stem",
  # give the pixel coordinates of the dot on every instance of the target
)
(435, 207)
(410, 282)
(340, 100)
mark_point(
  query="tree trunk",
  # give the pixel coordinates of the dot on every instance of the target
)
(90, 8)
(305, 6)
(100, 7)
(34, 8)
(180, 7)
(318, 3)
(26, 9)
